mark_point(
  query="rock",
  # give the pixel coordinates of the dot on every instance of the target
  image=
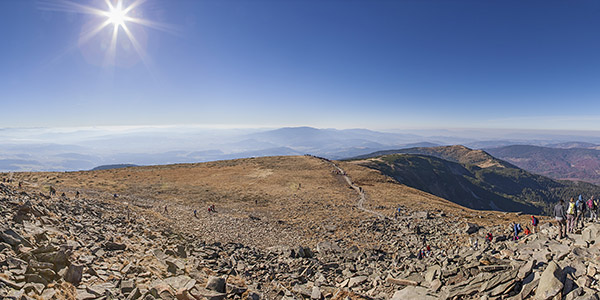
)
(421, 215)
(135, 294)
(316, 293)
(526, 269)
(584, 281)
(355, 281)
(435, 285)
(216, 284)
(84, 295)
(413, 292)
(202, 293)
(550, 284)
(401, 281)
(328, 247)
(433, 272)
(181, 282)
(74, 274)
(471, 228)
(112, 246)
(127, 286)
(591, 271)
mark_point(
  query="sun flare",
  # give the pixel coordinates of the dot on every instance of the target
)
(126, 35)
(116, 15)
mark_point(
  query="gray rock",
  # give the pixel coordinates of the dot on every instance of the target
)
(355, 281)
(127, 286)
(433, 272)
(316, 293)
(526, 268)
(112, 246)
(216, 284)
(74, 274)
(550, 283)
(471, 228)
(413, 292)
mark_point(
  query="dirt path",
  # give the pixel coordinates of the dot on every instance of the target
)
(358, 189)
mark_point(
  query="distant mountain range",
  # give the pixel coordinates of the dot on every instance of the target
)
(110, 167)
(68, 149)
(567, 162)
(473, 178)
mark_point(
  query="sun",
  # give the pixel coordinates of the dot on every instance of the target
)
(126, 18)
(116, 14)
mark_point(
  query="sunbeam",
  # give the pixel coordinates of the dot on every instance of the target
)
(120, 15)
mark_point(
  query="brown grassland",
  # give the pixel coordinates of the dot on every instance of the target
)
(265, 202)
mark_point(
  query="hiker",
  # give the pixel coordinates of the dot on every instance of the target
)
(212, 208)
(580, 205)
(571, 211)
(77, 194)
(597, 204)
(52, 191)
(534, 223)
(559, 215)
(195, 213)
(489, 237)
(591, 204)
(166, 211)
(517, 229)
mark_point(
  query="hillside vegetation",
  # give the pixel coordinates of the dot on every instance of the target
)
(569, 164)
(475, 179)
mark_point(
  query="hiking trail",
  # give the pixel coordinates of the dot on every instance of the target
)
(359, 190)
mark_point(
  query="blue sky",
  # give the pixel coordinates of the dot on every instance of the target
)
(341, 64)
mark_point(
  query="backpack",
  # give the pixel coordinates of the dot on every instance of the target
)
(571, 209)
(590, 203)
(580, 206)
(534, 221)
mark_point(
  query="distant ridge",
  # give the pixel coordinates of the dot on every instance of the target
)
(456, 153)
(116, 166)
(474, 178)
(558, 163)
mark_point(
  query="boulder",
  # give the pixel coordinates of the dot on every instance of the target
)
(550, 283)
(216, 284)
(413, 292)
(355, 281)
(316, 293)
(471, 228)
(74, 274)
(112, 246)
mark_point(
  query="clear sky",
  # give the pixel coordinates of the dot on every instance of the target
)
(343, 64)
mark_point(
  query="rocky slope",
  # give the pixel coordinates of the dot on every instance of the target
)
(101, 248)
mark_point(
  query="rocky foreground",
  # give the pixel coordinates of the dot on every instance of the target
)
(62, 248)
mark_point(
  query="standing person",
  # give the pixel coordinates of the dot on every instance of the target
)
(559, 215)
(534, 223)
(591, 203)
(580, 204)
(571, 211)
(597, 204)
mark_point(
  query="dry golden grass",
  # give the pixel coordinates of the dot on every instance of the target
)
(295, 193)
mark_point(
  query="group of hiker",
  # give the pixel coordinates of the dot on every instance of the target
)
(517, 228)
(573, 216)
